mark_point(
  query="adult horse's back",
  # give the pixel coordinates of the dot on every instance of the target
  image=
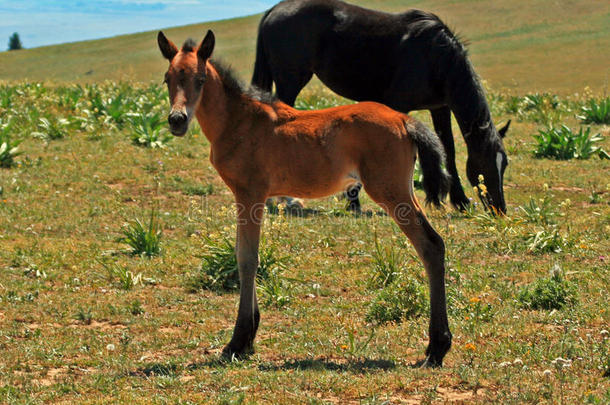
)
(408, 61)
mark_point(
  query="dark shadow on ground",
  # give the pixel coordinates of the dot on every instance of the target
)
(313, 212)
(358, 366)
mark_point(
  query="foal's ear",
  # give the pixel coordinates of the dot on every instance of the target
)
(502, 131)
(167, 47)
(207, 46)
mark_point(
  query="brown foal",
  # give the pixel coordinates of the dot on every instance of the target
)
(263, 148)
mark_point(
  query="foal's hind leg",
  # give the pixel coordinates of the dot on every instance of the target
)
(441, 118)
(402, 206)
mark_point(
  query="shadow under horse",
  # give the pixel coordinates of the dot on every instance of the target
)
(408, 61)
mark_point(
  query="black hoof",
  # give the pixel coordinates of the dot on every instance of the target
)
(234, 351)
(437, 349)
(354, 206)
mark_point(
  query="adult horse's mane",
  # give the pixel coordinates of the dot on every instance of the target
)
(424, 23)
(455, 65)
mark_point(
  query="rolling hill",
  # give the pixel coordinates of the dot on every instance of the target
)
(518, 45)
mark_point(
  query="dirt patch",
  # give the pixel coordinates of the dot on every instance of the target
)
(54, 375)
(171, 330)
(101, 325)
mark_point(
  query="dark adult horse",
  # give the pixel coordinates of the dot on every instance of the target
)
(408, 61)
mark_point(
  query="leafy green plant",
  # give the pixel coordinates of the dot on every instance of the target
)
(543, 108)
(546, 241)
(85, 316)
(144, 239)
(9, 148)
(596, 112)
(564, 144)
(52, 128)
(219, 271)
(125, 278)
(274, 290)
(539, 211)
(402, 299)
(149, 130)
(387, 262)
(553, 292)
(135, 308)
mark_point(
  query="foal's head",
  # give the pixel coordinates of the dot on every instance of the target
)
(185, 78)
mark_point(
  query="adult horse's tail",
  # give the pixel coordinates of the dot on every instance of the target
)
(262, 77)
(431, 153)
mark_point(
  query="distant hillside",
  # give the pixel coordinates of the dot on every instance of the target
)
(521, 45)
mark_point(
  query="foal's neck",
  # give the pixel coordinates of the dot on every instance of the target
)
(212, 110)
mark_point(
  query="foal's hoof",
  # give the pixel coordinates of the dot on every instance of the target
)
(354, 206)
(437, 349)
(235, 352)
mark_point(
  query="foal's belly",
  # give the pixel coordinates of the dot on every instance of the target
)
(313, 183)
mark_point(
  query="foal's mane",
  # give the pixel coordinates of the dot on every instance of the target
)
(236, 88)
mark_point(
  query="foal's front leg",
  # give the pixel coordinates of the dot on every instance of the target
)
(249, 219)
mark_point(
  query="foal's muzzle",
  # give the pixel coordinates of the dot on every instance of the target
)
(178, 123)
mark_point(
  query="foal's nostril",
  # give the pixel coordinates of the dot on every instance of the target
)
(176, 119)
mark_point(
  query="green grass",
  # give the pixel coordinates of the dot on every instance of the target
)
(82, 321)
(510, 46)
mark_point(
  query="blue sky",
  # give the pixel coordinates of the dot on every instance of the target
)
(45, 22)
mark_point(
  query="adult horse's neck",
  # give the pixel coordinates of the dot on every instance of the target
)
(468, 103)
(212, 110)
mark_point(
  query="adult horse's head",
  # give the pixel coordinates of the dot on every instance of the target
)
(488, 159)
(185, 78)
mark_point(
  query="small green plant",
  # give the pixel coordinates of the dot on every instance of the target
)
(121, 275)
(9, 148)
(149, 130)
(219, 271)
(355, 348)
(402, 299)
(564, 144)
(84, 316)
(135, 308)
(274, 290)
(542, 108)
(553, 292)
(539, 211)
(52, 128)
(144, 240)
(596, 112)
(546, 241)
(387, 262)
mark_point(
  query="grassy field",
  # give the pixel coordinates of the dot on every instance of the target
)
(519, 45)
(82, 319)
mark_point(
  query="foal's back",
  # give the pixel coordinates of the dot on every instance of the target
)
(316, 153)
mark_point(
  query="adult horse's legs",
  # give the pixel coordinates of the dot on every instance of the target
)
(353, 202)
(441, 118)
(406, 212)
(288, 86)
(249, 219)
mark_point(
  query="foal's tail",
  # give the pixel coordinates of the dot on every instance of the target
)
(262, 77)
(431, 153)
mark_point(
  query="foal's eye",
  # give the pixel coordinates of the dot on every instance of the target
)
(200, 80)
